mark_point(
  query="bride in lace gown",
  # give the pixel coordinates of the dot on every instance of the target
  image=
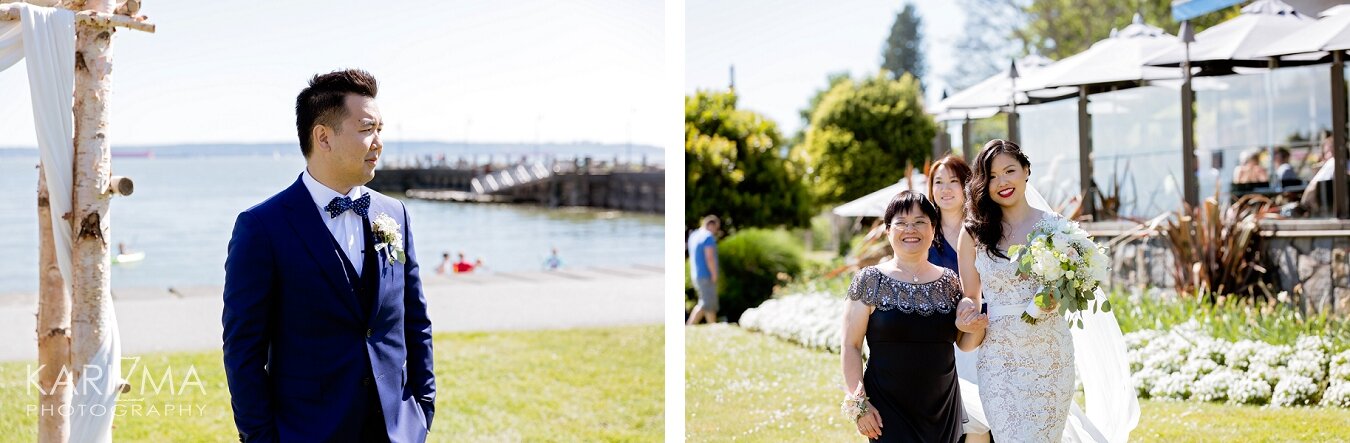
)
(1026, 371)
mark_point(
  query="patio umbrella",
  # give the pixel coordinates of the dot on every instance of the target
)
(1239, 41)
(874, 204)
(1331, 33)
(996, 91)
(1119, 58)
(990, 95)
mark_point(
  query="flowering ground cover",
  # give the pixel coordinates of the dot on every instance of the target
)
(747, 386)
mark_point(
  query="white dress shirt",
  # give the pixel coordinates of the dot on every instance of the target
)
(346, 227)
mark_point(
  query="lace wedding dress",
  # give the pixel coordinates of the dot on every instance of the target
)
(1026, 371)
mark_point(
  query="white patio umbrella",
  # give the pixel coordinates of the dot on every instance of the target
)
(996, 91)
(989, 96)
(1119, 58)
(874, 204)
(1331, 33)
(962, 114)
(1240, 41)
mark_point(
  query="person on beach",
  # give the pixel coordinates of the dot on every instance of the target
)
(553, 261)
(445, 265)
(463, 266)
(326, 334)
(703, 269)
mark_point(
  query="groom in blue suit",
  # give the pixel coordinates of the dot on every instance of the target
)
(326, 330)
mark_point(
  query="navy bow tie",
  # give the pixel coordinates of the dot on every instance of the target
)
(341, 204)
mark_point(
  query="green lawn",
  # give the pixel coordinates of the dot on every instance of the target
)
(752, 387)
(572, 385)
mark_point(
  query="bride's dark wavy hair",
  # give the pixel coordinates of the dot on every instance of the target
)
(984, 217)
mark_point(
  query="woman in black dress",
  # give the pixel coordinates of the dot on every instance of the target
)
(910, 312)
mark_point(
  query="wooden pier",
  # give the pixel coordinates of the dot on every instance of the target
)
(627, 187)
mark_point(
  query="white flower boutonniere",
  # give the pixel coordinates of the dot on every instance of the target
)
(388, 237)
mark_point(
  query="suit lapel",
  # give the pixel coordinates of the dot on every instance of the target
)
(305, 220)
(381, 262)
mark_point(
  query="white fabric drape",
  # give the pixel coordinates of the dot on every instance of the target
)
(46, 38)
(1104, 370)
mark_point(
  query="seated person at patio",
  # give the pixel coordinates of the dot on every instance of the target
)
(1249, 169)
(1283, 170)
(1317, 197)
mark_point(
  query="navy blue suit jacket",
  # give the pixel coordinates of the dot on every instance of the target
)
(298, 350)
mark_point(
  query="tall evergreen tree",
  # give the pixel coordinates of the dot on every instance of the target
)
(904, 47)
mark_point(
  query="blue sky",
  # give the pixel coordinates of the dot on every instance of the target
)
(518, 71)
(783, 50)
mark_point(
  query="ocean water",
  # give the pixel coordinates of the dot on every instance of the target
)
(183, 210)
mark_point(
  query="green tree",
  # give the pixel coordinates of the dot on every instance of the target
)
(903, 52)
(863, 132)
(738, 168)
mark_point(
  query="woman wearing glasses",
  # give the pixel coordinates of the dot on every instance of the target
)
(910, 312)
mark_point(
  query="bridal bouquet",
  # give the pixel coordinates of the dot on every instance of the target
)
(1060, 256)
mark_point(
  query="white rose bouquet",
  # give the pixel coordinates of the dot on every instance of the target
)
(1063, 258)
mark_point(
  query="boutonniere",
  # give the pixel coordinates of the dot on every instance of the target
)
(388, 237)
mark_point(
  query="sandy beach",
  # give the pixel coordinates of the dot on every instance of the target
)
(188, 318)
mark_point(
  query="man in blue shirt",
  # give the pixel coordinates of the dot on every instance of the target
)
(703, 269)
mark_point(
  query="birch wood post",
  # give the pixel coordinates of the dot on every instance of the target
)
(90, 296)
(53, 329)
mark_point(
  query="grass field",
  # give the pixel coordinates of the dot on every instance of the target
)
(752, 387)
(571, 385)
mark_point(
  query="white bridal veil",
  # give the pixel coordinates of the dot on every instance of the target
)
(1102, 367)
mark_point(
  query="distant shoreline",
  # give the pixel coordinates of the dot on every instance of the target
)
(418, 147)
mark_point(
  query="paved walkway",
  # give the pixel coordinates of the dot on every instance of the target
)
(189, 318)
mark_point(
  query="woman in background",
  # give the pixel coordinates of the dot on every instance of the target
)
(947, 179)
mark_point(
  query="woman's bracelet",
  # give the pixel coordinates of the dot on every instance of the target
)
(854, 406)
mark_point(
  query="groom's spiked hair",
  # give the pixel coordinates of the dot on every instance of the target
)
(324, 101)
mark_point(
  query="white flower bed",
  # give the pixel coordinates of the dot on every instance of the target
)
(1250, 390)
(1245, 372)
(814, 320)
(1215, 385)
(1295, 390)
(1181, 364)
(1337, 395)
(1340, 367)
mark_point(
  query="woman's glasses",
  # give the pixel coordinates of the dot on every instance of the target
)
(913, 226)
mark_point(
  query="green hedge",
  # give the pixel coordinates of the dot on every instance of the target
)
(752, 262)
